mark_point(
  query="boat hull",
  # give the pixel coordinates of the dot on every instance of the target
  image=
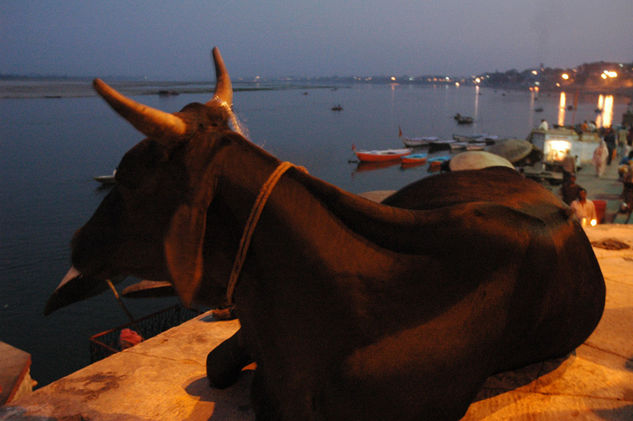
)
(382, 155)
(414, 159)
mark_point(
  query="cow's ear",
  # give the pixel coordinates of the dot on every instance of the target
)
(183, 250)
(184, 240)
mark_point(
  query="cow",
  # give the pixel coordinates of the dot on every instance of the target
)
(352, 310)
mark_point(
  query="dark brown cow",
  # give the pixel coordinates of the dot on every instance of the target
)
(352, 310)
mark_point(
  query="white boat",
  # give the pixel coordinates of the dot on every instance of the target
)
(415, 142)
(556, 142)
(455, 146)
(477, 137)
(106, 179)
(476, 146)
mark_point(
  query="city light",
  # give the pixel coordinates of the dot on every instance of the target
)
(609, 74)
(565, 76)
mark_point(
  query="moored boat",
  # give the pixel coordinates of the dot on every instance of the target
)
(414, 142)
(106, 179)
(441, 144)
(458, 146)
(476, 146)
(463, 119)
(439, 159)
(477, 137)
(438, 163)
(381, 155)
(414, 159)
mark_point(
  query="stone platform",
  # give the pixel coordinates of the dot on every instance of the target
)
(163, 378)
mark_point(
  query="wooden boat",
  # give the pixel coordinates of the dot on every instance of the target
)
(463, 119)
(166, 92)
(489, 139)
(381, 155)
(438, 163)
(439, 159)
(106, 179)
(416, 142)
(476, 146)
(414, 159)
(458, 146)
(441, 145)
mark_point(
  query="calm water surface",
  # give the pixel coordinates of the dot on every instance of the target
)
(51, 148)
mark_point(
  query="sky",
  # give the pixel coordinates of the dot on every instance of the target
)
(171, 40)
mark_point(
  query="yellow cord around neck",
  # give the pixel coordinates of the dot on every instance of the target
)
(251, 223)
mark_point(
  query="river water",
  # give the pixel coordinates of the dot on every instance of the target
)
(50, 149)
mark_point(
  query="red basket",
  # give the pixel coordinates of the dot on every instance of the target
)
(601, 207)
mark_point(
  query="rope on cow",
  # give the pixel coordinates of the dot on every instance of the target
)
(251, 223)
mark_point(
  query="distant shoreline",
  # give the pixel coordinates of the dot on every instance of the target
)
(34, 88)
(52, 88)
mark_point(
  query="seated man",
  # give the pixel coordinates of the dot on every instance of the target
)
(569, 190)
(584, 209)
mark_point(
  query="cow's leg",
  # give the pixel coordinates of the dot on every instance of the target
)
(225, 362)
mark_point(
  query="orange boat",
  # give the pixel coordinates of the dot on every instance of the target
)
(382, 155)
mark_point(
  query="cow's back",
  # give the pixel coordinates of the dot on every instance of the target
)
(562, 276)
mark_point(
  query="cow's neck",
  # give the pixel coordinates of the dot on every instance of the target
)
(303, 209)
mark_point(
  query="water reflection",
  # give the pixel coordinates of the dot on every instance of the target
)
(562, 106)
(531, 114)
(605, 107)
(372, 166)
(476, 103)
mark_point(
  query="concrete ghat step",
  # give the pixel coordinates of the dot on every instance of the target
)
(163, 378)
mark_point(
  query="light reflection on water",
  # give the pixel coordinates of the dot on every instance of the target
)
(605, 111)
(562, 107)
(51, 148)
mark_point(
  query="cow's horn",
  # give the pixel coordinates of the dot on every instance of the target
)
(223, 89)
(147, 120)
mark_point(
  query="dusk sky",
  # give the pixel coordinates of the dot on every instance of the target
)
(172, 39)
